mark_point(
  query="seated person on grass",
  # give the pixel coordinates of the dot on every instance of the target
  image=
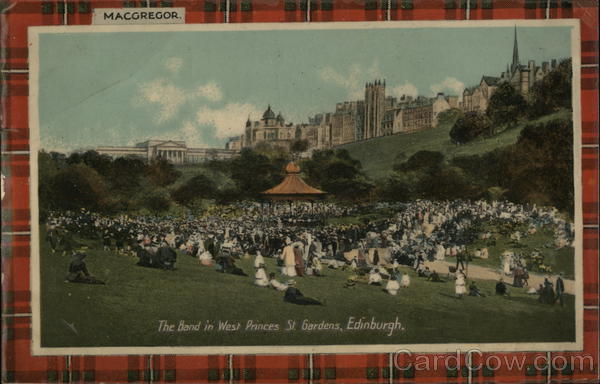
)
(273, 282)
(294, 296)
(501, 288)
(435, 278)
(474, 290)
(392, 286)
(78, 272)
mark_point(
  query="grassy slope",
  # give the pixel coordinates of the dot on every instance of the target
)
(561, 260)
(377, 155)
(126, 311)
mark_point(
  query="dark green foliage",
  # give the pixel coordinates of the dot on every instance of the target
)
(299, 146)
(337, 173)
(125, 174)
(161, 172)
(425, 175)
(553, 91)
(254, 173)
(420, 160)
(537, 169)
(542, 165)
(469, 127)
(77, 186)
(156, 202)
(198, 187)
(505, 108)
(449, 116)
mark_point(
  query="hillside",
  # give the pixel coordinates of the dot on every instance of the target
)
(378, 155)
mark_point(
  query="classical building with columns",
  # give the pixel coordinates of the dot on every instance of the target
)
(177, 152)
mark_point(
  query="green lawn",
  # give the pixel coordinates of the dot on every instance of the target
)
(378, 155)
(126, 311)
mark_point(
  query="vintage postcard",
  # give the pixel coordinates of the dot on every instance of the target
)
(283, 188)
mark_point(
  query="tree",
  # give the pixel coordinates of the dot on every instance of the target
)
(299, 146)
(469, 127)
(420, 160)
(254, 173)
(505, 107)
(449, 116)
(126, 173)
(49, 164)
(337, 173)
(156, 202)
(161, 172)
(542, 165)
(396, 188)
(196, 188)
(553, 91)
(79, 186)
(101, 163)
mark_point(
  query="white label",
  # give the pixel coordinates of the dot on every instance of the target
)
(120, 16)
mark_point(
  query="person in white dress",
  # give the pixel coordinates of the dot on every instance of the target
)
(258, 260)
(392, 286)
(260, 277)
(289, 259)
(273, 282)
(405, 282)
(440, 252)
(205, 258)
(460, 284)
(375, 277)
(506, 260)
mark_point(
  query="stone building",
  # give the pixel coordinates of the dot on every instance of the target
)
(271, 129)
(234, 143)
(308, 132)
(477, 99)
(177, 152)
(347, 122)
(521, 77)
(375, 102)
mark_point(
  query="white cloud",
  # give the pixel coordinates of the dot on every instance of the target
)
(210, 91)
(188, 132)
(168, 97)
(229, 120)
(451, 84)
(354, 81)
(174, 64)
(407, 89)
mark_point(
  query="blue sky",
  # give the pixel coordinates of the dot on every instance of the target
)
(122, 88)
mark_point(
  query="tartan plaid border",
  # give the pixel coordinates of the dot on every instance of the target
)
(20, 366)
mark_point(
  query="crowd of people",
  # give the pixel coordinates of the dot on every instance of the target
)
(302, 243)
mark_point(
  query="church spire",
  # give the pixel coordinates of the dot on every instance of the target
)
(515, 59)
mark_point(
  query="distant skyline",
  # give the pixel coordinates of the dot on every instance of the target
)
(121, 88)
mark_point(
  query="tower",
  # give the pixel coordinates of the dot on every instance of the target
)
(515, 60)
(374, 109)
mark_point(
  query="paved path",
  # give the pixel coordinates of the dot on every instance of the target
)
(485, 273)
